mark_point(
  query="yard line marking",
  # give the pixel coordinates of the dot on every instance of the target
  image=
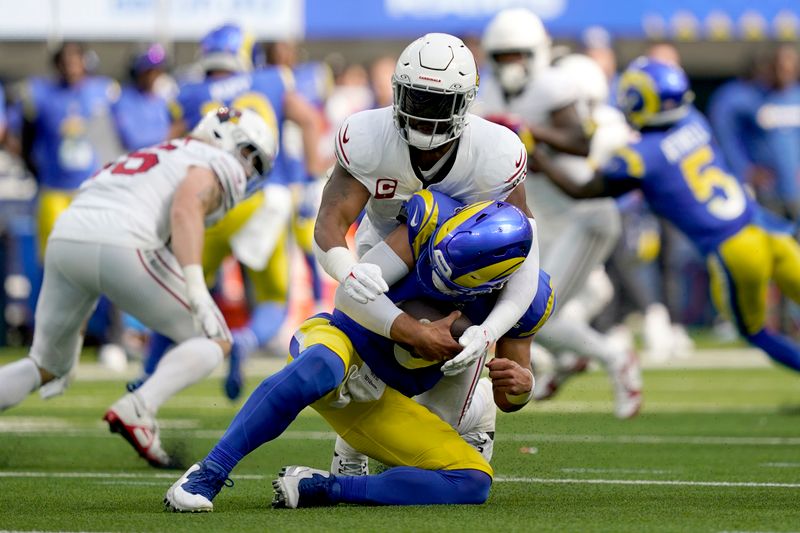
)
(106, 475)
(653, 439)
(703, 440)
(498, 479)
(754, 484)
(781, 465)
(615, 471)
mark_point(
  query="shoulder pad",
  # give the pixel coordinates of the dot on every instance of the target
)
(504, 159)
(357, 142)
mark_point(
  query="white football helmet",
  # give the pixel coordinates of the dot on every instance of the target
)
(512, 31)
(587, 76)
(434, 83)
(243, 134)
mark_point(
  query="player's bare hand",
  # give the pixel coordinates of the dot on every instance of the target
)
(435, 342)
(509, 377)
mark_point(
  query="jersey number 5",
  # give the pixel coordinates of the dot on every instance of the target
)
(721, 192)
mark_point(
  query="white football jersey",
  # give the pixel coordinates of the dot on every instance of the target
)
(128, 203)
(547, 91)
(489, 162)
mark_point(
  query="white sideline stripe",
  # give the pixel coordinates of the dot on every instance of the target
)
(653, 439)
(781, 465)
(614, 471)
(540, 480)
(707, 440)
(498, 479)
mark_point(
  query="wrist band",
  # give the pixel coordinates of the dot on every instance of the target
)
(521, 399)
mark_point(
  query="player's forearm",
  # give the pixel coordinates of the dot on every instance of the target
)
(187, 233)
(568, 140)
(591, 189)
(517, 295)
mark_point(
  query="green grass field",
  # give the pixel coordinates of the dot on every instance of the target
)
(713, 450)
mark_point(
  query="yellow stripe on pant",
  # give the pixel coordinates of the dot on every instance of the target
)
(742, 268)
(270, 284)
(52, 202)
(395, 429)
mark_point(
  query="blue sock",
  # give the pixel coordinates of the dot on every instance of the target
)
(781, 349)
(405, 485)
(277, 401)
(159, 344)
(316, 279)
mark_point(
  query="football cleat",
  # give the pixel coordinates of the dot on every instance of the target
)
(196, 488)
(566, 365)
(302, 486)
(347, 461)
(130, 418)
(625, 373)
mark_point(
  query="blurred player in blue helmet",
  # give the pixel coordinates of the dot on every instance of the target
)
(681, 172)
(348, 367)
(141, 113)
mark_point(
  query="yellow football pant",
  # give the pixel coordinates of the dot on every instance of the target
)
(742, 268)
(270, 284)
(395, 429)
(52, 202)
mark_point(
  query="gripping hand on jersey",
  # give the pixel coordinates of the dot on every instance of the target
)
(205, 313)
(364, 282)
(475, 341)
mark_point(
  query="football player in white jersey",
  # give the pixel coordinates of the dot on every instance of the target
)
(426, 139)
(578, 236)
(559, 107)
(135, 233)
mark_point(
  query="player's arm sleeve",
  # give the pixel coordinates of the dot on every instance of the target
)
(725, 118)
(379, 314)
(624, 172)
(517, 295)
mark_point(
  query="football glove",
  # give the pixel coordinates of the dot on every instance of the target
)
(476, 341)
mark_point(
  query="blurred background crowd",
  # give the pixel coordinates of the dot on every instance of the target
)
(85, 81)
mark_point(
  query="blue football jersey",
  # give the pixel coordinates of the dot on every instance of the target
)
(424, 213)
(685, 180)
(142, 119)
(64, 117)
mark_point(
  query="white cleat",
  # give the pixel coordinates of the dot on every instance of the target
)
(625, 373)
(567, 365)
(195, 489)
(130, 418)
(347, 461)
(302, 486)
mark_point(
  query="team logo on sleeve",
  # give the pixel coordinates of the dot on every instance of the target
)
(385, 188)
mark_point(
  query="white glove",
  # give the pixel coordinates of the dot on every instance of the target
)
(205, 312)
(476, 341)
(364, 282)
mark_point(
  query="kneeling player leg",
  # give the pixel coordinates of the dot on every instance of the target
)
(277, 401)
(740, 272)
(434, 464)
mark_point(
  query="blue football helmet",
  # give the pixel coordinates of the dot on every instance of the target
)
(477, 249)
(228, 48)
(652, 93)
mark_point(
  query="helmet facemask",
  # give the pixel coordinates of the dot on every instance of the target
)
(256, 165)
(513, 69)
(426, 117)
